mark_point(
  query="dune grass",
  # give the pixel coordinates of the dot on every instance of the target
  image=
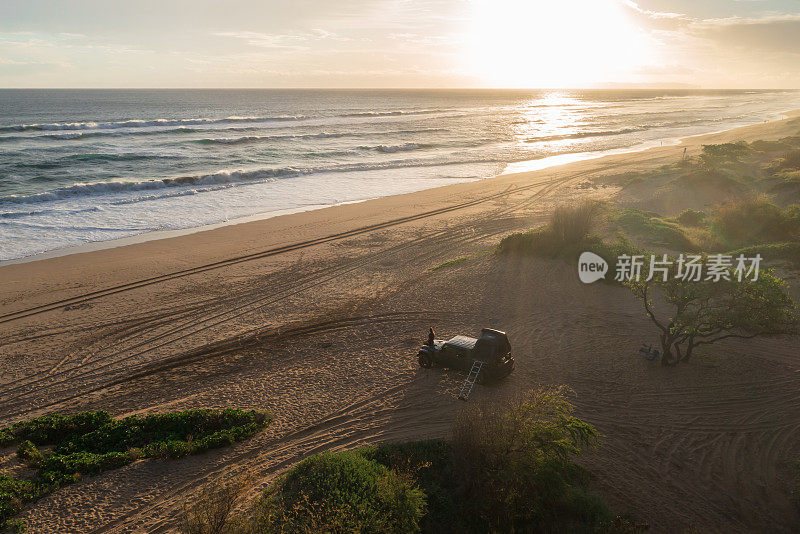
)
(566, 236)
(64, 448)
(567, 230)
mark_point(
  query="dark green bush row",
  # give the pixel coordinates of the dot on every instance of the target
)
(54, 428)
(97, 432)
(14, 493)
(29, 453)
(86, 444)
(6, 437)
(507, 468)
(62, 469)
(411, 487)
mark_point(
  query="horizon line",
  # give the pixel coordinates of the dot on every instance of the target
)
(595, 88)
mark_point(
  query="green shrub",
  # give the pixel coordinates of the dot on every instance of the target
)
(568, 228)
(50, 429)
(514, 461)
(690, 217)
(342, 492)
(540, 242)
(430, 463)
(508, 468)
(770, 252)
(137, 431)
(14, 493)
(608, 250)
(6, 437)
(715, 156)
(89, 443)
(29, 453)
(756, 220)
(17, 526)
(61, 469)
(654, 229)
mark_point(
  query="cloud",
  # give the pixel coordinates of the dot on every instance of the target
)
(267, 40)
(297, 40)
(773, 33)
(428, 40)
(13, 67)
(748, 21)
(652, 14)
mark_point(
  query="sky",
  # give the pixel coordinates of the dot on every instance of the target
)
(400, 43)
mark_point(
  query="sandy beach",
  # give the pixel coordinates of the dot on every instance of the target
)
(317, 316)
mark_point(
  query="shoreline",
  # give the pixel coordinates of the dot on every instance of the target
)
(511, 168)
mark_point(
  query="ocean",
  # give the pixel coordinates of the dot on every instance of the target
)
(80, 166)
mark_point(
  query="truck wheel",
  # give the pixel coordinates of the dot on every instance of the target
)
(425, 360)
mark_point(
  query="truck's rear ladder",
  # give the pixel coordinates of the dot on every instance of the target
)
(472, 377)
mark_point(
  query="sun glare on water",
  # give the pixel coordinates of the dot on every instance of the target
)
(554, 43)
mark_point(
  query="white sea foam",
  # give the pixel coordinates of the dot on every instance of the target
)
(65, 182)
(389, 149)
(145, 123)
(222, 177)
(142, 123)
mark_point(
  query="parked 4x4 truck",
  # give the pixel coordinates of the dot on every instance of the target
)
(461, 352)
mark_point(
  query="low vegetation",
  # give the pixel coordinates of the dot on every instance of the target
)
(756, 220)
(697, 313)
(656, 229)
(213, 510)
(751, 220)
(342, 492)
(64, 448)
(566, 236)
(508, 467)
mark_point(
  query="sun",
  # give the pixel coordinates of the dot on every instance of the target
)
(553, 43)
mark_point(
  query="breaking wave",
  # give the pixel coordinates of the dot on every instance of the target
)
(392, 148)
(145, 123)
(140, 123)
(319, 135)
(220, 178)
(582, 135)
